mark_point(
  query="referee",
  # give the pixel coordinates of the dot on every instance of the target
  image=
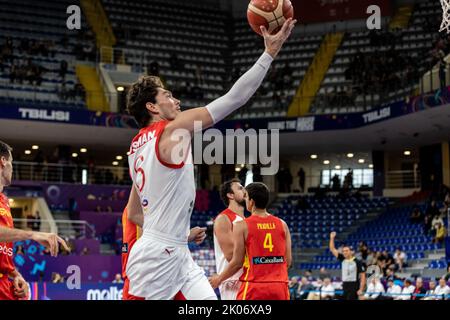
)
(353, 271)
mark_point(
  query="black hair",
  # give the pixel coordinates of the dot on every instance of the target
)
(259, 193)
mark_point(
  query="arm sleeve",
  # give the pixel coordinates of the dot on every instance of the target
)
(242, 90)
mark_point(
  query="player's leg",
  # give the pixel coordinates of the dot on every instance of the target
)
(195, 283)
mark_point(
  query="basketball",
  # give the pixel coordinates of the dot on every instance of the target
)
(269, 13)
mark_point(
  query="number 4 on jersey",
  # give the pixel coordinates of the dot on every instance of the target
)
(268, 244)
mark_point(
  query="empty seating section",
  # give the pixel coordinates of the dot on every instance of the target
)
(415, 44)
(278, 89)
(39, 22)
(311, 220)
(155, 31)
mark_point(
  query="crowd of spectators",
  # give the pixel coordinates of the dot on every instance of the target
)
(324, 287)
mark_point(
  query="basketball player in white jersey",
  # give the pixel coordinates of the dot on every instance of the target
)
(233, 195)
(161, 167)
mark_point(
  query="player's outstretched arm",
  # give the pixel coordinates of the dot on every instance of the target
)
(237, 261)
(13, 235)
(134, 208)
(241, 92)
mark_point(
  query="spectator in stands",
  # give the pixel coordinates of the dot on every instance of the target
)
(37, 222)
(400, 259)
(408, 290)
(308, 275)
(427, 226)
(323, 273)
(304, 288)
(431, 290)
(388, 260)
(348, 180)
(419, 291)
(442, 73)
(85, 251)
(20, 251)
(153, 69)
(447, 275)
(57, 278)
(118, 278)
(436, 221)
(301, 179)
(393, 291)
(416, 215)
(440, 233)
(442, 290)
(63, 69)
(326, 291)
(293, 288)
(374, 290)
(363, 250)
(336, 183)
(432, 209)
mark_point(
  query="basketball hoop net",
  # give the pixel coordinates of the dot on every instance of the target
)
(445, 25)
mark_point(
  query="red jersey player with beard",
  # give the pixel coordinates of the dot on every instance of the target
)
(262, 246)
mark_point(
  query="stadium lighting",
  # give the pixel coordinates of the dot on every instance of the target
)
(27, 151)
(337, 167)
(11, 202)
(350, 155)
(119, 158)
(120, 89)
(115, 163)
(361, 161)
(326, 162)
(83, 150)
(74, 155)
(128, 153)
(314, 156)
(371, 166)
(238, 169)
(407, 153)
(35, 147)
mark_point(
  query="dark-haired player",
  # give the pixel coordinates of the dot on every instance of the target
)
(262, 246)
(163, 194)
(12, 284)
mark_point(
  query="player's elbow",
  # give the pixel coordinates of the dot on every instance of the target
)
(228, 256)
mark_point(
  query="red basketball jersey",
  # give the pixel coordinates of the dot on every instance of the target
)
(6, 248)
(265, 247)
(130, 235)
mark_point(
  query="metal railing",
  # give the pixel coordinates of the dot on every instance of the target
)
(71, 173)
(65, 228)
(402, 179)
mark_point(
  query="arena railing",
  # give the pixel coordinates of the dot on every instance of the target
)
(402, 179)
(65, 228)
(71, 173)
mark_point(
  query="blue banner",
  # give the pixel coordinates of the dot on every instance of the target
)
(302, 124)
(86, 291)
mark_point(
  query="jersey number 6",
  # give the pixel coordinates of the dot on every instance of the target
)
(140, 174)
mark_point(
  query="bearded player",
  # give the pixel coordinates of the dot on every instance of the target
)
(160, 263)
(262, 245)
(233, 196)
(12, 284)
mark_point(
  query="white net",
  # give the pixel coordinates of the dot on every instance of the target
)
(445, 25)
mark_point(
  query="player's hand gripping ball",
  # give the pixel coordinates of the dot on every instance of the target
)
(269, 13)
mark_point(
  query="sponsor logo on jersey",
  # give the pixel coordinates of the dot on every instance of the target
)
(5, 250)
(266, 226)
(268, 260)
(125, 248)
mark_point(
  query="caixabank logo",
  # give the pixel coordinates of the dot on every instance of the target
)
(268, 260)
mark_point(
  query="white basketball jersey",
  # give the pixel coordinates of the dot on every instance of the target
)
(221, 261)
(166, 191)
